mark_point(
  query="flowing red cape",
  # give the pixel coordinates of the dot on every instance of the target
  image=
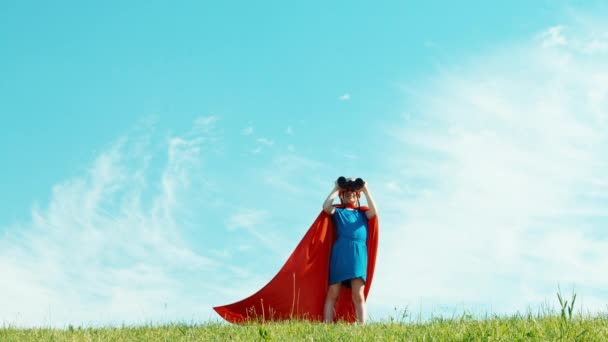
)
(298, 291)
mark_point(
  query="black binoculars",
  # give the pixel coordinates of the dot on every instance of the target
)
(350, 184)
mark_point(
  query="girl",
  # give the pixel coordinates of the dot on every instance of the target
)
(348, 261)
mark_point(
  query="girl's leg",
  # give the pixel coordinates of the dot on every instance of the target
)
(358, 287)
(328, 309)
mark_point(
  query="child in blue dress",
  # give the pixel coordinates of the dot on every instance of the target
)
(348, 262)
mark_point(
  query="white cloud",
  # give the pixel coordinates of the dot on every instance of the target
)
(293, 174)
(246, 218)
(109, 245)
(247, 130)
(262, 142)
(394, 187)
(588, 38)
(256, 223)
(289, 131)
(553, 36)
(596, 45)
(506, 168)
(265, 141)
(205, 123)
(344, 97)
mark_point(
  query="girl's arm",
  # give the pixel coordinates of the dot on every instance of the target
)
(328, 204)
(370, 202)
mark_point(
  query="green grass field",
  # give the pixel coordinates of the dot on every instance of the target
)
(548, 326)
(516, 328)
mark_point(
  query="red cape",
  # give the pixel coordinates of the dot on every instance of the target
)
(298, 291)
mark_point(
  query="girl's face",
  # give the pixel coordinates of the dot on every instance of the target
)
(349, 197)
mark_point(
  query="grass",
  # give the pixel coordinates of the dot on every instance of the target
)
(514, 328)
(560, 326)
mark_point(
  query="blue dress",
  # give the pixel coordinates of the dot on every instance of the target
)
(349, 253)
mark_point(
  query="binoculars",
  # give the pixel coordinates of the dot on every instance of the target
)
(350, 184)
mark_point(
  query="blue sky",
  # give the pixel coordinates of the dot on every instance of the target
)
(162, 158)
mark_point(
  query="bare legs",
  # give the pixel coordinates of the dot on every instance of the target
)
(358, 300)
(328, 309)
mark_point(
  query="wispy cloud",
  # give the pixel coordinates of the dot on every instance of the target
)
(107, 247)
(553, 36)
(205, 123)
(507, 173)
(350, 156)
(265, 141)
(597, 45)
(262, 143)
(246, 218)
(256, 223)
(394, 187)
(292, 173)
(344, 97)
(247, 130)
